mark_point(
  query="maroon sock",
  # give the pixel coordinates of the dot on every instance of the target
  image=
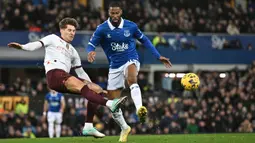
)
(91, 110)
(92, 96)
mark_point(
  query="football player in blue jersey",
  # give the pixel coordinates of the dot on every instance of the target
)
(54, 106)
(117, 37)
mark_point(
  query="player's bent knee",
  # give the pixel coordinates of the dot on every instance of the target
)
(73, 84)
(131, 80)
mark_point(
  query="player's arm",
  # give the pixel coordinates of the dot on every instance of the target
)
(147, 43)
(31, 46)
(27, 47)
(63, 104)
(76, 66)
(45, 107)
(93, 42)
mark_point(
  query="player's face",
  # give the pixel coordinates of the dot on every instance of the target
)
(68, 33)
(115, 13)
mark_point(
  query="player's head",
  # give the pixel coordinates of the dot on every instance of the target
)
(115, 11)
(67, 28)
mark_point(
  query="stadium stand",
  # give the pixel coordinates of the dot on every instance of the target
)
(217, 16)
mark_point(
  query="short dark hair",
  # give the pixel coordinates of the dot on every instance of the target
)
(115, 4)
(68, 21)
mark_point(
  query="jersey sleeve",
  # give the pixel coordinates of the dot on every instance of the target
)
(95, 39)
(138, 34)
(76, 61)
(47, 97)
(145, 41)
(47, 40)
(62, 98)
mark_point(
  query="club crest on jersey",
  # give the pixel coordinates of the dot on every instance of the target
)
(109, 36)
(126, 33)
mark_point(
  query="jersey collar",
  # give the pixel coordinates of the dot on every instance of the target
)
(112, 27)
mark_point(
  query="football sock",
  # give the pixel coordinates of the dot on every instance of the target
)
(136, 95)
(58, 130)
(51, 130)
(91, 109)
(92, 96)
(87, 125)
(119, 119)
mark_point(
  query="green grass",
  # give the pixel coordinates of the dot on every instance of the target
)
(195, 138)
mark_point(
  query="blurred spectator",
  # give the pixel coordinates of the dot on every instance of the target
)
(2, 89)
(21, 107)
(40, 132)
(232, 29)
(192, 126)
(11, 118)
(71, 119)
(16, 21)
(175, 128)
(167, 16)
(18, 125)
(1, 107)
(181, 42)
(246, 126)
(232, 44)
(29, 134)
(11, 132)
(159, 40)
(28, 126)
(249, 47)
(32, 118)
(3, 126)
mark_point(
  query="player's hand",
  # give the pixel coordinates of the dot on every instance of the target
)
(43, 119)
(61, 111)
(15, 45)
(91, 56)
(44, 116)
(165, 61)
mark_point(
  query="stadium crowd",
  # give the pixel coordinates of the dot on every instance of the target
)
(221, 105)
(218, 16)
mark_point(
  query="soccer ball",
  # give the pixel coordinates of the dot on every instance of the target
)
(190, 81)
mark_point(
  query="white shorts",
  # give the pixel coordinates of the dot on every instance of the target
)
(54, 117)
(116, 77)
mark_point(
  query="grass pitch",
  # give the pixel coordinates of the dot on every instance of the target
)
(195, 138)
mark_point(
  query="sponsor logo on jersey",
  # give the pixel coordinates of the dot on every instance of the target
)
(119, 47)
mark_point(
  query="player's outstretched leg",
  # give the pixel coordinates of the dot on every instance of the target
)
(113, 105)
(88, 129)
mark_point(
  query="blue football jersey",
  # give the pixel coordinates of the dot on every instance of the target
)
(119, 44)
(54, 101)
